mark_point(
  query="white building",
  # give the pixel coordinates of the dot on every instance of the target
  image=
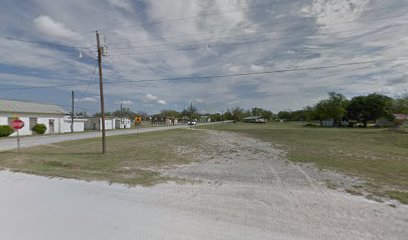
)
(53, 117)
(111, 123)
(123, 123)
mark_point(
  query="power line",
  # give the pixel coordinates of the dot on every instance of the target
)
(42, 43)
(276, 23)
(90, 81)
(215, 46)
(286, 70)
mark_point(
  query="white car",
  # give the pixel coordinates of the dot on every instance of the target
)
(192, 123)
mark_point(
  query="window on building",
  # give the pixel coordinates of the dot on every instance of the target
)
(33, 122)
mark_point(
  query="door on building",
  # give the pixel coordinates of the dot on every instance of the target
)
(51, 125)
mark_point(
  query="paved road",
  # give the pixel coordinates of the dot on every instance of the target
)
(10, 143)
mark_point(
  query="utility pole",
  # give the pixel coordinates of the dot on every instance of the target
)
(72, 112)
(122, 120)
(101, 93)
(191, 115)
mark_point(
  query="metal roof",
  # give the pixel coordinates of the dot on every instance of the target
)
(253, 117)
(12, 106)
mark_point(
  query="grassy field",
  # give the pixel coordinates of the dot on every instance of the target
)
(379, 156)
(131, 159)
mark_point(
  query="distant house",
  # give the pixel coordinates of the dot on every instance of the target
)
(204, 119)
(255, 119)
(121, 123)
(399, 120)
(95, 123)
(55, 118)
(158, 120)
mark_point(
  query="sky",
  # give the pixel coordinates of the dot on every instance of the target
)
(218, 54)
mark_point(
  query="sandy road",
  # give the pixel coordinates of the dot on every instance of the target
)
(244, 190)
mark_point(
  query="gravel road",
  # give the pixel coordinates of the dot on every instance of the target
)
(241, 189)
(30, 141)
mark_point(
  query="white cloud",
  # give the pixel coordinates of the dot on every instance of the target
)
(124, 4)
(162, 102)
(151, 97)
(124, 102)
(49, 26)
(87, 99)
(257, 68)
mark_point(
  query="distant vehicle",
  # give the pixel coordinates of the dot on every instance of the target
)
(192, 123)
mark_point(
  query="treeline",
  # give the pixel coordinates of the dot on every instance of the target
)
(342, 111)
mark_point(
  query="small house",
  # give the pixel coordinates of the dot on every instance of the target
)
(255, 119)
(158, 120)
(399, 120)
(95, 123)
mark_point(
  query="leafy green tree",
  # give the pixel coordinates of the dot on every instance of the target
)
(170, 113)
(123, 113)
(335, 107)
(370, 108)
(310, 113)
(400, 104)
(287, 115)
(238, 113)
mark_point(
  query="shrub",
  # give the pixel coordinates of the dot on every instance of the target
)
(39, 128)
(311, 125)
(6, 131)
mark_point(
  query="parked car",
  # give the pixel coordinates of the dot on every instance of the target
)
(192, 123)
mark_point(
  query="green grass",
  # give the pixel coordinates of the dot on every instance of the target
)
(130, 159)
(379, 156)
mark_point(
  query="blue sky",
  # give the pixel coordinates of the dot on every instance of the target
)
(160, 39)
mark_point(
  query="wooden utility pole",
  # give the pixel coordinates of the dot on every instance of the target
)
(122, 120)
(191, 115)
(72, 112)
(101, 93)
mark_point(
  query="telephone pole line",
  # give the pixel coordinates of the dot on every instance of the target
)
(101, 93)
(72, 112)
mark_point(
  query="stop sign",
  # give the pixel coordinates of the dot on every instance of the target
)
(17, 124)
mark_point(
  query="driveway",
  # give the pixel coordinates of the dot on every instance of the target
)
(30, 141)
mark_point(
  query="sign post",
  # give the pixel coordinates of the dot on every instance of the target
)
(17, 124)
(138, 120)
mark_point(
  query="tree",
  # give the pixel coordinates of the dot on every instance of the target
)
(238, 113)
(191, 111)
(285, 115)
(124, 113)
(400, 104)
(310, 113)
(170, 113)
(335, 107)
(370, 108)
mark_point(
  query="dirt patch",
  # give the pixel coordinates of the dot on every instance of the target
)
(225, 156)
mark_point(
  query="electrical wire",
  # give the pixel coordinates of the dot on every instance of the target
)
(286, 70)
(42, 43)
(89, 82)
(276, 23)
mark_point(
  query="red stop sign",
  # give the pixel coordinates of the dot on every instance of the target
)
(17, 124)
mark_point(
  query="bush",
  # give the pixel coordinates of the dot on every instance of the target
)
(6, 131)
(311, 125)
(39, 128)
